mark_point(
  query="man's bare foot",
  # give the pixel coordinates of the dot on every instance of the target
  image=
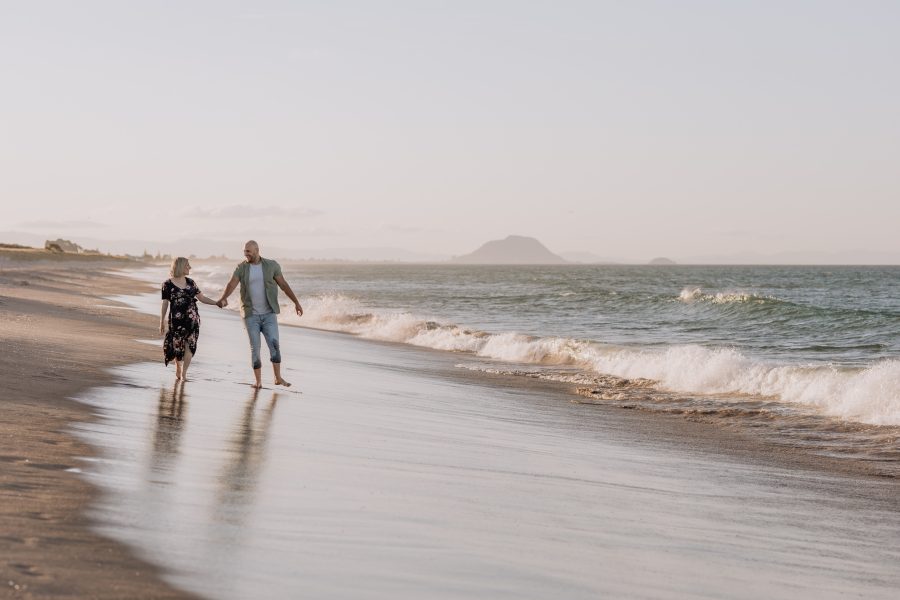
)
(281, 381)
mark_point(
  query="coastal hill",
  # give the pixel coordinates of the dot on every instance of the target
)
(514, 250)
(662, 261)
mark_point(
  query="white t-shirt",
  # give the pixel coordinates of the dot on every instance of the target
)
(258, 291)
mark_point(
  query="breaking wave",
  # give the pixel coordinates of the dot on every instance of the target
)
(697, 295)
(868, 395)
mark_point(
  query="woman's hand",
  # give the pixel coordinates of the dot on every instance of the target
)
(162, 315)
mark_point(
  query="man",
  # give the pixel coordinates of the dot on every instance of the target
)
(259, 277)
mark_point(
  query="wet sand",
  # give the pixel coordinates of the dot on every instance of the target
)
(58, 334)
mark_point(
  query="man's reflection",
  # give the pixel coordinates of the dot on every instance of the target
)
(246, 456)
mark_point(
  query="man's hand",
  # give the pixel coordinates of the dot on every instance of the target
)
(221, 302)
(299, 309)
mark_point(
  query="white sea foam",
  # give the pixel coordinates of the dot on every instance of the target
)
(733, 297)
(512, 347)
(211, 278)
(869, 395)
(690, 294)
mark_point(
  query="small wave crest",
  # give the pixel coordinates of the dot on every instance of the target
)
(697, 294)
(212, 278)
(337, 312)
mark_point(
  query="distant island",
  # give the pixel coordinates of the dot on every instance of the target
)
(514, 250)
(662, 261)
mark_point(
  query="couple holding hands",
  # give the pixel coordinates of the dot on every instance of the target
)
(259, 279)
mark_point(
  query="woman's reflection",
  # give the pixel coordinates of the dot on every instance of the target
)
(169, 427)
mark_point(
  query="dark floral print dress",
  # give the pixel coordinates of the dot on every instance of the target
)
(184, 319)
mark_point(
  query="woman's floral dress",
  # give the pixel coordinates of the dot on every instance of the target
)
(184, 319)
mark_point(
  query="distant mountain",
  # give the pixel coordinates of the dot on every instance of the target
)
(662, 261)
(514, 250)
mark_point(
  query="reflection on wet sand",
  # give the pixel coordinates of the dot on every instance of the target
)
(169, 427)
(246, 456)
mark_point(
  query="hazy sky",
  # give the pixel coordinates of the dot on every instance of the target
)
(627, 129)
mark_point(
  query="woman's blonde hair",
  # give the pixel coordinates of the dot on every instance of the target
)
(179, 266)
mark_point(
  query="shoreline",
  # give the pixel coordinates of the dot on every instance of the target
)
(61, 334)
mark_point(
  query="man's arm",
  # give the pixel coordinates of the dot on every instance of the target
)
(279, 279)
(228, 289)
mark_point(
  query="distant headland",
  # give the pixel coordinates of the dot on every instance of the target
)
(513, 250)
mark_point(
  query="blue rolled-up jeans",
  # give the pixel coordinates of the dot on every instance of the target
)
(267, 325)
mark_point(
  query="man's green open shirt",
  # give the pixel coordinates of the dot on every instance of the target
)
(271, 270)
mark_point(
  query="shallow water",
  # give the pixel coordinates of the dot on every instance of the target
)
(387, 472)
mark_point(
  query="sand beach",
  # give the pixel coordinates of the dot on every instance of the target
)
(60, 335)
(386, 471)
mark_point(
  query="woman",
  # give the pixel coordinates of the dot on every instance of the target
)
(182, 293)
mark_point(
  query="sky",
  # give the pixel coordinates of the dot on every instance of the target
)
(628, 130)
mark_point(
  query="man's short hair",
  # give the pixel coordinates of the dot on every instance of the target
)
(252, 243)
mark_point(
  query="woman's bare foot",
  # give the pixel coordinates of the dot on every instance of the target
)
(256, 386)
(281, 381)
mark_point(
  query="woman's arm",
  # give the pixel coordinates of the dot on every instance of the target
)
(162, 316)
(205, 299)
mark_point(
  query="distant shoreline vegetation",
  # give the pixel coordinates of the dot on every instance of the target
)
(17, 252)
